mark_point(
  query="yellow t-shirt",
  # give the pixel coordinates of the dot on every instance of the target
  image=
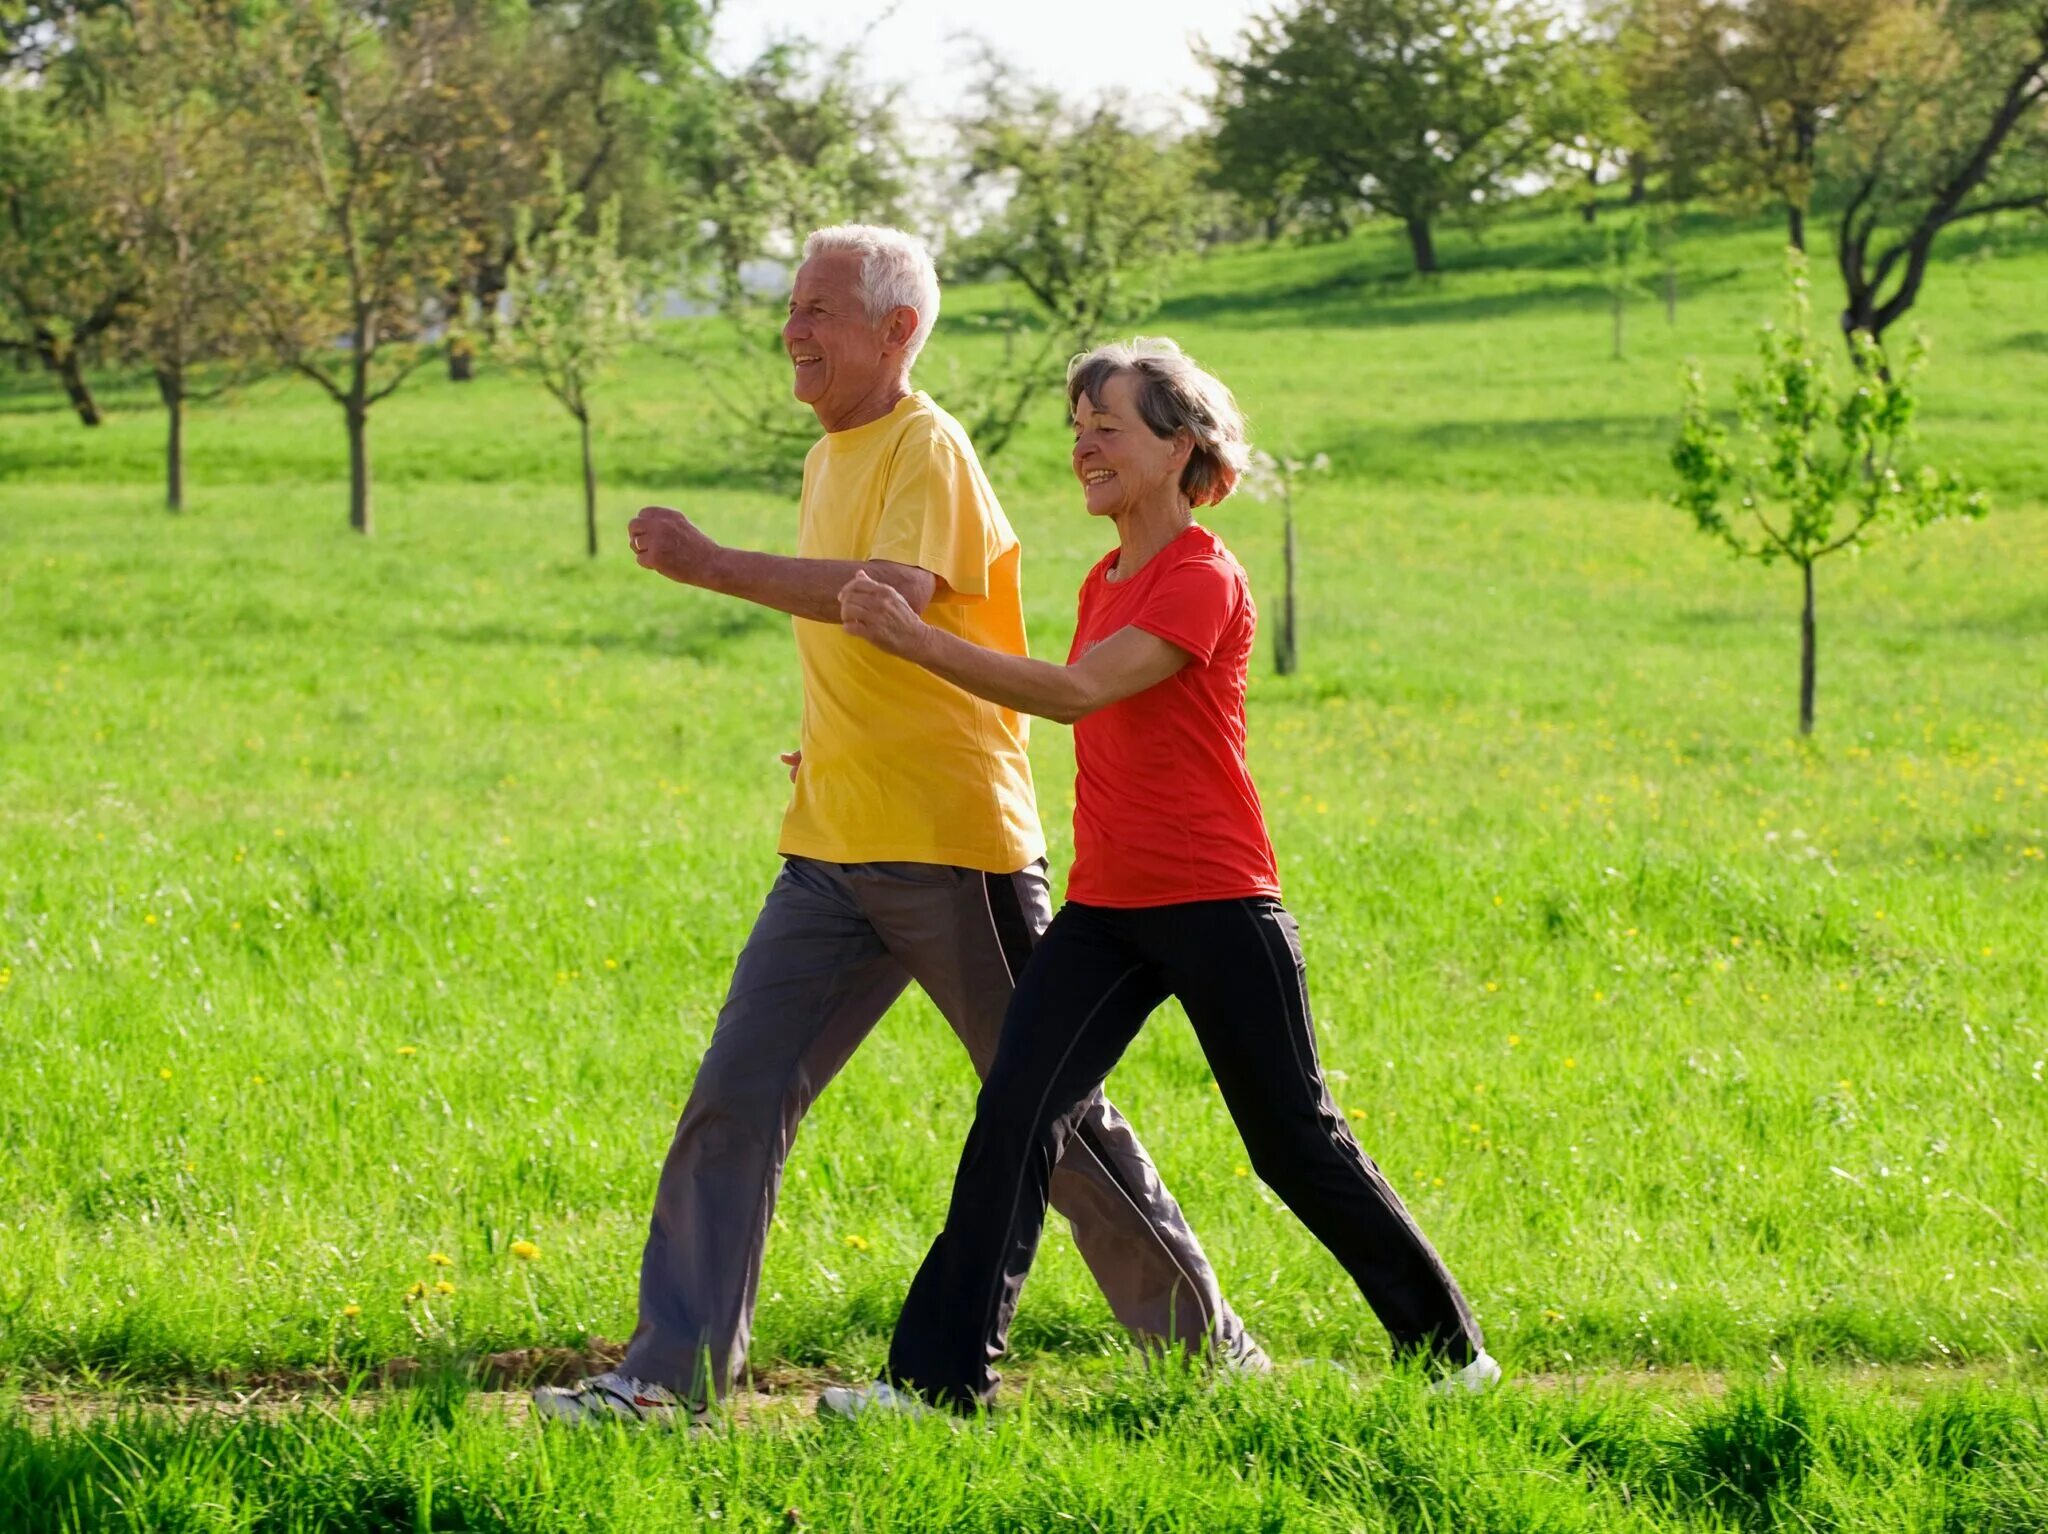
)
(900, 766)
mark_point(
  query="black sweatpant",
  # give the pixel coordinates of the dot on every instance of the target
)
(1093, 979)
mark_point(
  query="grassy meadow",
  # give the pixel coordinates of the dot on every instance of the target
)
(366, 904)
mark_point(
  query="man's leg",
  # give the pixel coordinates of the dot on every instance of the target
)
(811, 982)
(964, 937)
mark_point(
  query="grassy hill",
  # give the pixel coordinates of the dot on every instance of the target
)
(362, 900)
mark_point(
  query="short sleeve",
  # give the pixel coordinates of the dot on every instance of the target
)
(939, 514)
(1193, 606)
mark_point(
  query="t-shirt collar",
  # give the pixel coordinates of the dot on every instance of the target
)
(853, 436)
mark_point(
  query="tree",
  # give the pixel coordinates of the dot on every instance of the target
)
(1809, 460)
(169, 169)
(1412, 108)
(572, 309)
(1272, 478)
(67, 276)
(1083, 210)
(353, 239)
(1755, 85)
(1958, 132)
(593, 85)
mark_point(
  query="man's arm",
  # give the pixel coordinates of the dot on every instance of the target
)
(1127, 662)
(669, 543)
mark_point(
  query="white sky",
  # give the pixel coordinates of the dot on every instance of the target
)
(1081, 47)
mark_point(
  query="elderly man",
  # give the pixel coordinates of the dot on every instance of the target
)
(911, 851)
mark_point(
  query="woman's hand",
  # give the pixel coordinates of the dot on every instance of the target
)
(877, 613)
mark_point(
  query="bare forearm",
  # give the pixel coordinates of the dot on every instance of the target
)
(1015, 681)
(804, 588)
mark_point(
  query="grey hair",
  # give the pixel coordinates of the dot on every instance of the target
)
(896, 272)
(1175, 394)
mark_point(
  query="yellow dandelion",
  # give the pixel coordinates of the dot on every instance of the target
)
(415, 1291)
(164, 1074)
(526, 1251)
(149, 920)
(1514, 1039)
(1242, 1171)
(1358, 1115)
(1436, 1182)
(857, 1243)
(1735, 942)
(1493, 985)
(1599, 995)
(408, 1050)
(611, 963)
(6, 978)
(188, 1167)
(351, 1311)
(442, 1286)
(1987, 950)
(1570, 1064)
(440, 1260)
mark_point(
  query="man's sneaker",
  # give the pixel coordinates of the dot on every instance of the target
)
(613, 1397)
(1244, 1356)
(1479, 1375)
(852, 1401)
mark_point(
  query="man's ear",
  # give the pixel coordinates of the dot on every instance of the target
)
(900, 327)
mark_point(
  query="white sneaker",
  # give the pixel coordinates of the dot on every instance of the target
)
(1479, 1375)
(614, 1397)
(852, 1401)
(1244, 1357)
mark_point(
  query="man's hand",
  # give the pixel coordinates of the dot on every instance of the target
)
(669, 543)
(792, 760)
(877, 613)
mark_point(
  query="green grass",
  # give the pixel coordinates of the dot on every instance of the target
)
(363, 900)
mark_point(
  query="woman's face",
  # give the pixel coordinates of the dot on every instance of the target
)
(1117, 457)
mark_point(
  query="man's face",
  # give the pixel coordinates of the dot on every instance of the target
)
(839, 354)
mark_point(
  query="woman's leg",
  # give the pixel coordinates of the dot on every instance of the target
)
(1080, 1001)
(1236, 966)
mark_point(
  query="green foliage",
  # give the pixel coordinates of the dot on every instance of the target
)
(67, 275)
(573, 297)
(1814, 470)
(1410, 108)
(1085, 211)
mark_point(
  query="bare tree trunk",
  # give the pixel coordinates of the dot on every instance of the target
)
(1620, 311)
(461, 360)
(1422, 242)
(1638, 180)
(359, 469)
(63, 361)
(1795, 226)
(170, 384)
(1285, 656)
(589, 486)
(1670, 291)
(1806, 654)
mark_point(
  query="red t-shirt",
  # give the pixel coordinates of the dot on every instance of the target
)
(1164, 807)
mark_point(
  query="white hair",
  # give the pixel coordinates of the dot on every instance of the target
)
(896, 272)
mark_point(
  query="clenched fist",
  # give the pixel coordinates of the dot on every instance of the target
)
(669, 543)
(877, 613)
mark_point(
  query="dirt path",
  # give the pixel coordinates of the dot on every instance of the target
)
(785, 1396)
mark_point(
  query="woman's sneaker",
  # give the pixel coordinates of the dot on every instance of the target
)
(1482, 1374)
(852, 1401)
(613, 1397)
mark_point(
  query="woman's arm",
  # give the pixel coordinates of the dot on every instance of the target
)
(1127, 662)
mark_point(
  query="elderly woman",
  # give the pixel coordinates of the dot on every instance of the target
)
(1173, 892)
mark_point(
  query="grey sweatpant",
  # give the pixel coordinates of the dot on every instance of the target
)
(834, 946)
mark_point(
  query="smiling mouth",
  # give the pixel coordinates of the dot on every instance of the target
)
(1097, 476)
(806, 359)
